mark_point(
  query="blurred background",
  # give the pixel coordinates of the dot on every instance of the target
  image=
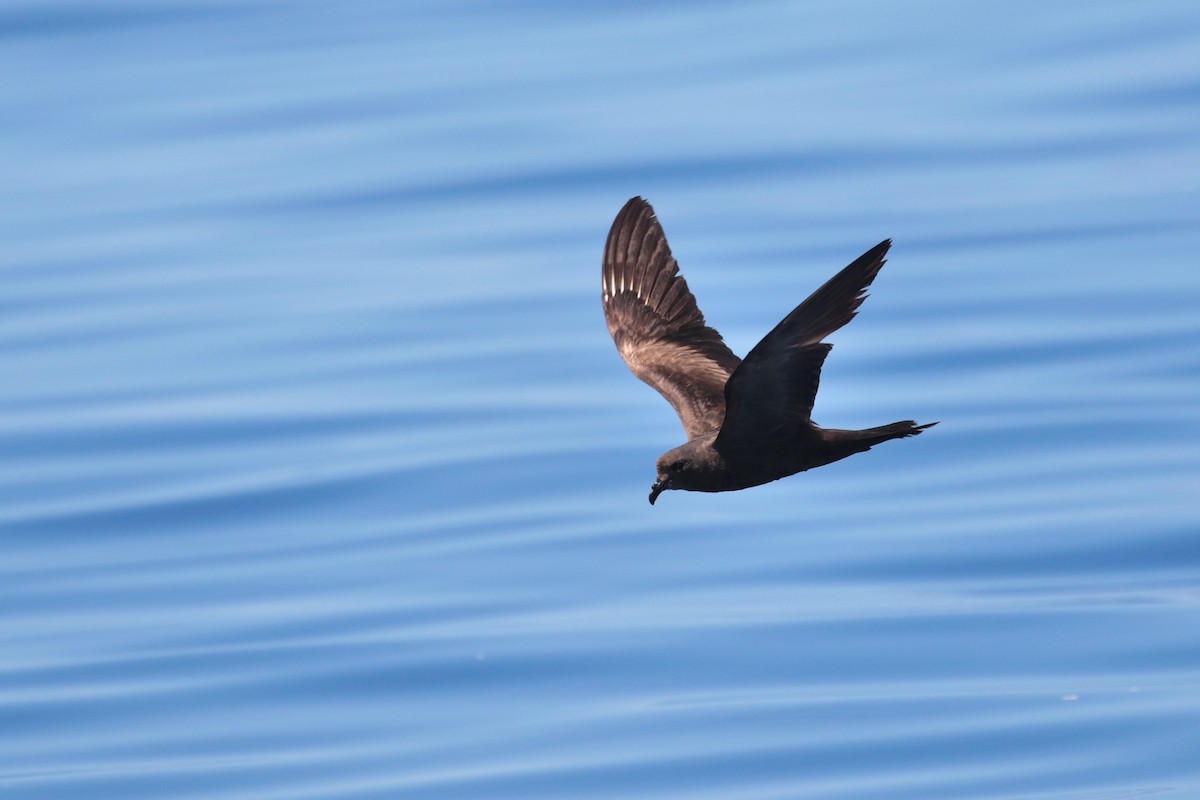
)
(321, 478)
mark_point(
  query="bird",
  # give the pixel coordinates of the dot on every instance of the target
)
(748, 421)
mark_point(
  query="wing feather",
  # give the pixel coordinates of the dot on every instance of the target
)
(771, 394)
(656, 324)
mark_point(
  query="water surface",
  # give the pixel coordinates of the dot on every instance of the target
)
(320, 477)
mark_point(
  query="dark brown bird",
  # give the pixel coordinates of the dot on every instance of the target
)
(747, 422)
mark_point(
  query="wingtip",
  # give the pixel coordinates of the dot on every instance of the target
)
(873, 261)
(636, 208)
(637, 201)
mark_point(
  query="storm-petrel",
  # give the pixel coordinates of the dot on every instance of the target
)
(747, 422)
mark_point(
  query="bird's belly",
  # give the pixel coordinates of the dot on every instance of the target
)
(772, 463)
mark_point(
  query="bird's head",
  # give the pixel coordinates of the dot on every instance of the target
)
(680, 468)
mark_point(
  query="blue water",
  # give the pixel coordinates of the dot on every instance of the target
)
(321, 478)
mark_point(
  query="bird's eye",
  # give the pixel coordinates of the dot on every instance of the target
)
(678, 465)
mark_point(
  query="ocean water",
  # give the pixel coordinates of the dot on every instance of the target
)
(321, 478)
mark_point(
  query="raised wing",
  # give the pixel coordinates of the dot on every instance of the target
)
(771, 394)
(655, 322)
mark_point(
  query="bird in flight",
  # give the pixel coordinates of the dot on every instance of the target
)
(748, 422)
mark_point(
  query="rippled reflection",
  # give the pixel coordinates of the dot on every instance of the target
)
(321, 477)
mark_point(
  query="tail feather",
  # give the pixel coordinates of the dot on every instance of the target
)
(897, 430)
